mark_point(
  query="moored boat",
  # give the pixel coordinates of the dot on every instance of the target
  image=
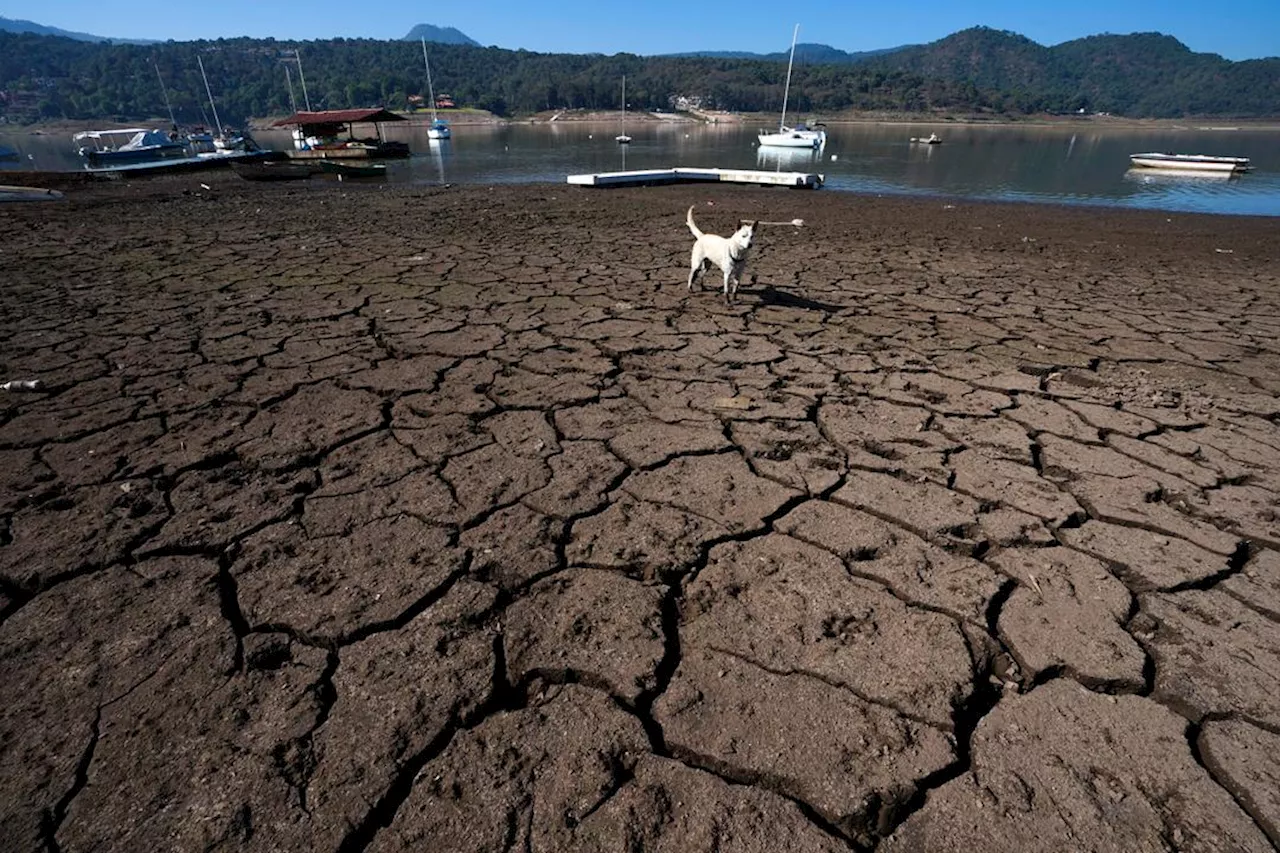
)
(798, 136)
(316, 135)
(439, 128)
(1190, 162)
(128, 146)
(622, 138)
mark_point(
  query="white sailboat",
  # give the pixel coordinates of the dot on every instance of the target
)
(622, 138)
(438, 129)
(224, 143)
(798, 136)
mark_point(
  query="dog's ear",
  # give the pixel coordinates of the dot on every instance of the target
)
(747, 223)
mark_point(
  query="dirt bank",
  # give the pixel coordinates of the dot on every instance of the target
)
(408, 518)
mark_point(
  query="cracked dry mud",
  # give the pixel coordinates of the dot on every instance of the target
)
(360, 518)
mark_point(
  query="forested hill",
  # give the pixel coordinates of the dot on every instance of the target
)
(977, 70)
(1143, 74)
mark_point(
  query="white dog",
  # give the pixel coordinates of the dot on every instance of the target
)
(728, 253)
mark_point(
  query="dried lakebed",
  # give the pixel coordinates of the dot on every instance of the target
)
(359, 518)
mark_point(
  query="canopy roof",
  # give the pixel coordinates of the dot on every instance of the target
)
(98, 134)
(308, 119)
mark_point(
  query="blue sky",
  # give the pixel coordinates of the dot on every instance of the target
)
(1250, 30)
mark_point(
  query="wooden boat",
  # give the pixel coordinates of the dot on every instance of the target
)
(1190, 162)
(353, 170)
(799, 136)
(269, 170)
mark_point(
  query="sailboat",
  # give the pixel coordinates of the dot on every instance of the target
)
(798, 136)
(622, 138)
(439, 129)
(224, 143)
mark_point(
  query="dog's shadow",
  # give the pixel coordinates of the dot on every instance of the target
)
(770, 295)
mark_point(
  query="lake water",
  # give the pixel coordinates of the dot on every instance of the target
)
(1072, 165)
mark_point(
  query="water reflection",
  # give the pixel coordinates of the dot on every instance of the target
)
(787, 159)
(436, 148)
(1178, 176)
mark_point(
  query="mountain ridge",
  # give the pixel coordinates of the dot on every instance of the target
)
(979, 71)
(439, 35)
(18, 25)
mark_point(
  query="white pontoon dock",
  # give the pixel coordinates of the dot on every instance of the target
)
(645, 177)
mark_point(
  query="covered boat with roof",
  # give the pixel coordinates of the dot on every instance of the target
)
(319, 135)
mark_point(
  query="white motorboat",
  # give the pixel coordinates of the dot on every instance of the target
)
(799, 136)
(129, 146)
(439, 128)
(931, 139)
(1190, 162)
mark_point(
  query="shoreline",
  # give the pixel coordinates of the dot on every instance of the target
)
(1103, 123)
(1079, 224)
(88, 182)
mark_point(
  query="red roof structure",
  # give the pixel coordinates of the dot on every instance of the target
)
(339, 117)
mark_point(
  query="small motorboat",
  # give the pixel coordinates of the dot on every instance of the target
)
(931, 139)
(129, 146)
(1190, 162)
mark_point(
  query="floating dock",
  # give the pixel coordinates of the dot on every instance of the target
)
(649, 177)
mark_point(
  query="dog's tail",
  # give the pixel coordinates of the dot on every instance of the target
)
(694, 228)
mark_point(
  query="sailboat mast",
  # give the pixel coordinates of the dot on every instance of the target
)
(165, 92)
(431, 92)
(288, 78)
(787, 89)
(306, 99)
(207, 91)
(624, 105)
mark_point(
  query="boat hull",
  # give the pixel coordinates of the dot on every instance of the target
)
(132, 157)
(280, 170)
(793, 139)
(353, 170)
(359, 151)
(8, 193)
(1190, 162)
